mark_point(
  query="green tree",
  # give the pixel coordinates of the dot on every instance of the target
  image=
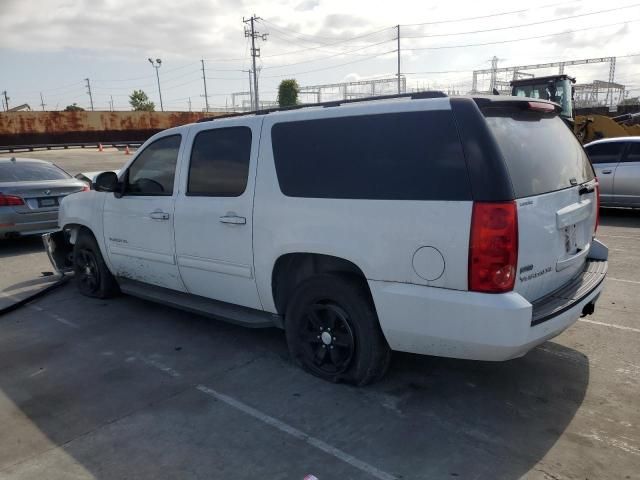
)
(288, 93)
(73, 108)
(140, 102)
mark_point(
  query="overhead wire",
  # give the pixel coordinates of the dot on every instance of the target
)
(541, 22)
(514, 40)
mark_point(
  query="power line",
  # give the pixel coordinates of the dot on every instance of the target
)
(490, 15)
(560, 19)
(329, 56)
(331, 67)
(566, 32)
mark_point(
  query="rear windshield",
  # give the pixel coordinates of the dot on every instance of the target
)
(541, 153)
(30, 172)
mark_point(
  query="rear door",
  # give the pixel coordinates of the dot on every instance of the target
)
(214, 212)
(605, 157)
(554, 185)
(627, 177)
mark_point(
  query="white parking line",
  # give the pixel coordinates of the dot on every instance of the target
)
(623, 280)
(274, 422)
(55, 316)
(300, 435)
(619, 327)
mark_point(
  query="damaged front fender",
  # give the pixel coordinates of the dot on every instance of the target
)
(59, 250)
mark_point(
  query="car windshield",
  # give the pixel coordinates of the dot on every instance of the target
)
(30, 172)
(558, 91)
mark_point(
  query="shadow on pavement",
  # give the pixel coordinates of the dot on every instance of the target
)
(20, 246)
(620, 217)
(117, 390)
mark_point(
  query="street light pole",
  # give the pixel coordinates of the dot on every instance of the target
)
(157, 64)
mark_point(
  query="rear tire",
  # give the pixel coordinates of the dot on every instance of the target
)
(333, 331)
(92, 275)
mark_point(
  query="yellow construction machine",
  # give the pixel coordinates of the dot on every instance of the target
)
(559, 89)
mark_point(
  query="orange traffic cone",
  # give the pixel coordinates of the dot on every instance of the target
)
(100, 147)
(126, 150)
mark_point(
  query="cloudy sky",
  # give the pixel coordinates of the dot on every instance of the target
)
(51, 46)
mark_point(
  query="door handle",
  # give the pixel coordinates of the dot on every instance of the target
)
(158, 215)
(233, 219)
(606, 172)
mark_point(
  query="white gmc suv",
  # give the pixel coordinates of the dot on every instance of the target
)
(459, 227)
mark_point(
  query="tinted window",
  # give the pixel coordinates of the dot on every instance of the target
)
(30, 172)
(633, 154)
(541, 153)
(220, 162)
(396, 156)
(605, 152)
(154, 169)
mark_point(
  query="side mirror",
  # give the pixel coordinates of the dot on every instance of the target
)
(106, 182)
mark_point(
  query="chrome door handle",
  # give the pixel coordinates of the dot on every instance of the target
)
(233, 219)
(605, 172)
(158, 215)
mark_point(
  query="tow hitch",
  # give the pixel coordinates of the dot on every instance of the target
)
(588, 309)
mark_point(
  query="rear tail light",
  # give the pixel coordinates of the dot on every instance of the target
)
(493, 247)
(595, 228)
(85, 189)
(10, 201)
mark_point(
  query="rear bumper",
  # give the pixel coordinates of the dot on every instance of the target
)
(470, 325)
(16, 224)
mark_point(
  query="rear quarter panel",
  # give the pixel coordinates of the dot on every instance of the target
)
(379, 236)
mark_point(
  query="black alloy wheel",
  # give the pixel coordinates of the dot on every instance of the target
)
(328, 338)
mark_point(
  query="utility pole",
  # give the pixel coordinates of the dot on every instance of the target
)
(251, 105)
(6, 101)
(206, 97)
(494, 73)
(190, 105)
(89, 92)
(111, 102)
(255, 53)
(398, 38)
(157, 64)
(42, 104)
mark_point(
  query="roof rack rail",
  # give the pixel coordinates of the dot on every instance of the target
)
(336, 103)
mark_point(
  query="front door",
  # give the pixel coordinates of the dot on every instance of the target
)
(213, 217)
(605, 157)
(627, 179)
(138, 226)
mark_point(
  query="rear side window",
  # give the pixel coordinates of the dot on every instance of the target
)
(395, 156)
(633, 155)
(220, 162)
(30, 172)
(541, 153)
(605, 152)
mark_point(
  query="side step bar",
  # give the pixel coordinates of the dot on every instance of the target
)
(246, 317)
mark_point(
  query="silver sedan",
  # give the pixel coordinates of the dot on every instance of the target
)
(617, 165)
(30, 194)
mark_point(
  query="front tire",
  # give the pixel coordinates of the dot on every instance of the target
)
(333, 331)
(92, 275)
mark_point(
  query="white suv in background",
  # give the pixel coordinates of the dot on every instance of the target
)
(460, 227)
